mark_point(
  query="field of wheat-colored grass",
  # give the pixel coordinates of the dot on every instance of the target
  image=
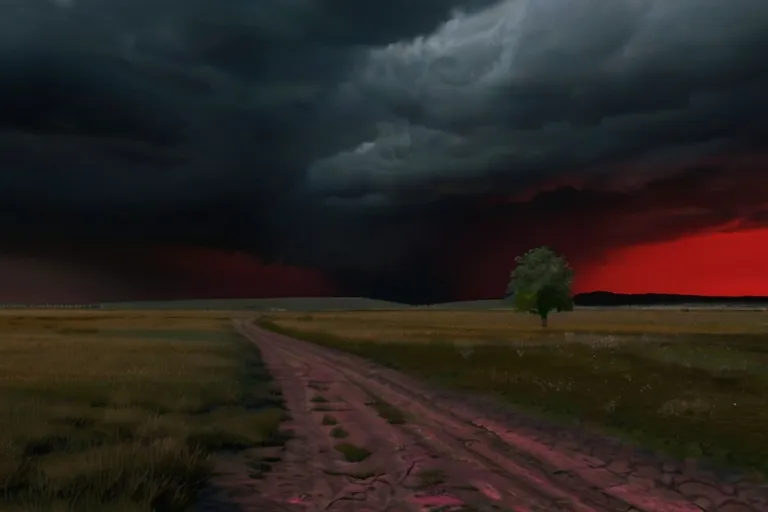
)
(121, 411)
(501, 326)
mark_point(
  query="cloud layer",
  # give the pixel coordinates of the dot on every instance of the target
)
(528, 90)
(364, 139)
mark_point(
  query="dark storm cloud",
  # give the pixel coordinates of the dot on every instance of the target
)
(356, 136)
(527, 90)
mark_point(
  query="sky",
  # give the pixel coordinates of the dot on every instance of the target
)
(390, 149)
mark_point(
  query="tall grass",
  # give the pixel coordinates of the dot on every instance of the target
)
(102, 412)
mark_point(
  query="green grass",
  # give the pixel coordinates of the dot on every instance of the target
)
(116, 422)
(351, 452)
(329, 420)
(339, 433)
(392, 414)
(700, 395)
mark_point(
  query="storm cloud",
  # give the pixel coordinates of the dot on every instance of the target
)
(370, 139)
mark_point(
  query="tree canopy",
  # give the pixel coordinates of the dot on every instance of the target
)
(541, 283)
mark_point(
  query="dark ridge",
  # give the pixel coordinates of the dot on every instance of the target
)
(601, 298)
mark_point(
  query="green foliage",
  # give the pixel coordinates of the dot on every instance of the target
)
(525, 300)
(541, 283)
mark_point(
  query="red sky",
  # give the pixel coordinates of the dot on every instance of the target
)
(727, 264)
(714, 263)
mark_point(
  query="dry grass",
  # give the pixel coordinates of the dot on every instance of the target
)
(503, 326)
(688, 382)
(111, 411)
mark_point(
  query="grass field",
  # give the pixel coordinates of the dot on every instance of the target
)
(692, 383)
(120, 411)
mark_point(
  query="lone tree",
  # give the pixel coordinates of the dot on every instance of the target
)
(541, 283)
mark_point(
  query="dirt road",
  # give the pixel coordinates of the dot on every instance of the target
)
(444, 454)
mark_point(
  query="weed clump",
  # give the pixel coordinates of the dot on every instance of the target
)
(392, 414)
(339, 433)
(352, 453)
(329, 420)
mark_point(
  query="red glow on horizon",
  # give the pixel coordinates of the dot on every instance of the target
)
(155, 274)
(716, 264)
(244, 275)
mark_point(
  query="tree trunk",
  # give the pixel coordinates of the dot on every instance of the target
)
(544, 322)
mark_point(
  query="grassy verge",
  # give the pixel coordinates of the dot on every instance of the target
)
(689, 394)
(99, 412)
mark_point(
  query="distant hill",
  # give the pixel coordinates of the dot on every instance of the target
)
(662, 299)
(287, 304)
(609, 299)
(469, 305)
(592, 299)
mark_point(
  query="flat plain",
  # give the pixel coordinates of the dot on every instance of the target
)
(122, 410)
(688, 382)
(130, 410)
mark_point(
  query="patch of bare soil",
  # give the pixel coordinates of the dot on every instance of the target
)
(368, 439)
